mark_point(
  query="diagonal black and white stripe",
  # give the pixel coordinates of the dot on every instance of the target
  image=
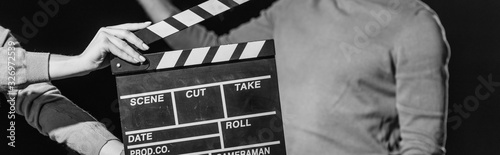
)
(213, 54)
(186, 19)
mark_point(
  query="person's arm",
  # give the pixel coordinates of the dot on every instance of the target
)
(107, 40)
(20, 67)
(43, 106)
(197, 36)
(52, 114)
(421, 58)
(15, 71)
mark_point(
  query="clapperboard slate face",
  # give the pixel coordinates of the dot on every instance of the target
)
(219, 100)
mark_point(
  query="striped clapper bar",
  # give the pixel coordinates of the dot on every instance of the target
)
(220, 100)
(186, 19)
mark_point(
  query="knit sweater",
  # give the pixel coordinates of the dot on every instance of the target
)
(356, 77)
(23, 80)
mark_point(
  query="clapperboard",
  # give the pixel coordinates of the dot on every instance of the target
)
(220, 100)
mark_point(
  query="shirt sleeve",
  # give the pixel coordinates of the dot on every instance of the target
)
(422, 55)
(19, 68)
(44, 108)
(41, 103)
(259, 28)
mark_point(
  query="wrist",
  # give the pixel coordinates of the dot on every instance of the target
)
(61, 66)
(86, 66)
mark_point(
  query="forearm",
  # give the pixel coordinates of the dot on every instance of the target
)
(88, 138)
(61, 67)
(158, 10)
(20, 68)
(44, 108)
(423, 123)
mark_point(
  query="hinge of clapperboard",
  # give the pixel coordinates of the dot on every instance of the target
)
(197, 56)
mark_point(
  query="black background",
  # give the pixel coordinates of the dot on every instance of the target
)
(472, 29)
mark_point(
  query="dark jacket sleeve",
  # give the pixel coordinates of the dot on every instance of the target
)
(22, 76)
(46, 109)
(41, 103)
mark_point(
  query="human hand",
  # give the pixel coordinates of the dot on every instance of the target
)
(113, 39)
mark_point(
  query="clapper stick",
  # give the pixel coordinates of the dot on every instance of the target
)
(198, 56)
(186, 19)
(210, 100)
(179, 22)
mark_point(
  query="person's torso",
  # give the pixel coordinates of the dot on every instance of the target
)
(336, 72)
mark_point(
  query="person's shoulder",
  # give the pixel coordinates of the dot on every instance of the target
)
(413, 22)
(419, 13)
(407, 16)
(409, 12)
(418, 17)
